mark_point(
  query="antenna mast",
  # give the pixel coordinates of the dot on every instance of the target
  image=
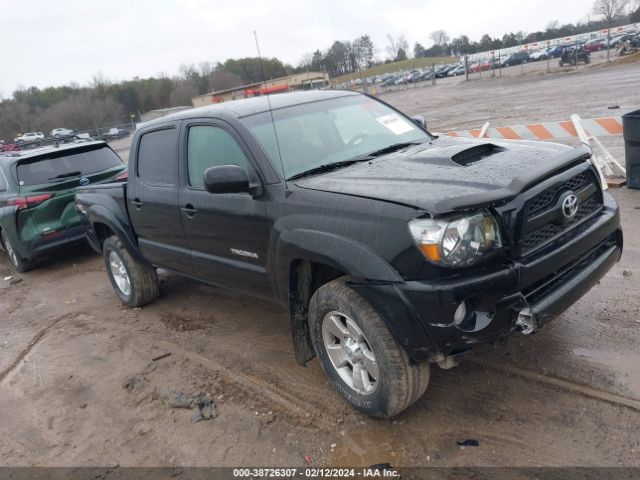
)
(273, 123)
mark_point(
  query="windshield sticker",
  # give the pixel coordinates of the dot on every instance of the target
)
(394, 123)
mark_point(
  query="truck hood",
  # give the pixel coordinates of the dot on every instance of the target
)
(449, 174)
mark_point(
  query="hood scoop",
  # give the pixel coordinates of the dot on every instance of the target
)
(476, 153)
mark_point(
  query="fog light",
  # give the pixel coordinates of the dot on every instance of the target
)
(461, 313)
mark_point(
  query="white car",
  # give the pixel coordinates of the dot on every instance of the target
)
(30, 137)
(539, 55)
(60, 132)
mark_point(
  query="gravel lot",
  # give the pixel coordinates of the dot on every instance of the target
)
(79, 386)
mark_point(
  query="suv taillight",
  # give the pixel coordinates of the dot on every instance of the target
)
(29, 201)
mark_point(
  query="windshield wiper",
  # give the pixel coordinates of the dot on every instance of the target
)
(66, 175)
(391, 148)
(326, 168)
(359, 158)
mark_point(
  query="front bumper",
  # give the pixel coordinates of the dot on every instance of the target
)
(420, 314)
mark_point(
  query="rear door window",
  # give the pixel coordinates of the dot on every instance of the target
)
(157, 157)
(63, 165)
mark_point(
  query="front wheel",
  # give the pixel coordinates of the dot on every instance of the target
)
(357, 352)
(135, 283)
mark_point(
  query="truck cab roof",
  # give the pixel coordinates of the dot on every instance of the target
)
(254, 105)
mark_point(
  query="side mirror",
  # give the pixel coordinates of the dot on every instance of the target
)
(226, 179)
(420, 120)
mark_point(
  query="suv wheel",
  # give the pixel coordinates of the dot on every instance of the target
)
(357, 352)
(19, 265)
(135, 283)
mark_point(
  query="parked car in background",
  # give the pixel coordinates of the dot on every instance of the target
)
(60, 132)
(537, 55)
(482, 66)
(30, 137)
(37, 189)
(620, 38)
(457, 70)
(595, 44)
(115, 133)
(556, 51)
(388, 82)
(515, 59)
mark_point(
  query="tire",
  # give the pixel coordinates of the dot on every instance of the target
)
(560, 63)
(20, 265)
(124, 271)
(392, 382)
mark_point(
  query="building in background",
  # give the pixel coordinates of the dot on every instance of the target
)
(297, 81)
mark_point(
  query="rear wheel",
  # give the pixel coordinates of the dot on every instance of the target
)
(134, 282)
(357, 352)
(20, 265)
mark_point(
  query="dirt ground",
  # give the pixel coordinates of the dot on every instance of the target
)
(79, 386)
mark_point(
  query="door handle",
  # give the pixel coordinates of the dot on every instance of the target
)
(136, 203)
(189, 211)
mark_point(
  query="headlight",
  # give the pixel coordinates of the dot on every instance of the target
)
(458, 242)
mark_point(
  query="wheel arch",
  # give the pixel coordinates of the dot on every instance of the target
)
(104, 222)
(306, 260)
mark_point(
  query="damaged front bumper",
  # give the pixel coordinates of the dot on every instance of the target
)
(521, 297)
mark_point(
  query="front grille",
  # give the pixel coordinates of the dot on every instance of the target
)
(545, 202)
(547, 199)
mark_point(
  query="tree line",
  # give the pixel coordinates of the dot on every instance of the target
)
(104, 103)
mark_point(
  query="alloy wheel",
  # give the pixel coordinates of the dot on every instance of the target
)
(350, 353)
(119, 273)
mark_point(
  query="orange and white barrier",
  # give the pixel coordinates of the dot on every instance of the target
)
(595, 127)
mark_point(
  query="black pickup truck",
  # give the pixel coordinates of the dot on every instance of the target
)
(390, 247)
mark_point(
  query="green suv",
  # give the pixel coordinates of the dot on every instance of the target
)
(37, 189)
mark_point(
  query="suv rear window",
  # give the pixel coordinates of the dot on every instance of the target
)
(57, 167)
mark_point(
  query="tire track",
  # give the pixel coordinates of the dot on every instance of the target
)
(32, 343)
(289, 403)
(562, 383)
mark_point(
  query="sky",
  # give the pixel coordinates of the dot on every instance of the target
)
(56, 42)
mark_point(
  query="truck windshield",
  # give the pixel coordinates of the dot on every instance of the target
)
(332, 131)
(64, 165)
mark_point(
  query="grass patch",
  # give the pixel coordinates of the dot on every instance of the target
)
(395, 66)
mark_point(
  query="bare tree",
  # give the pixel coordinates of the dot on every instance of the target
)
(82, 112)
(395, 45)
(439, 38)
(610, 10)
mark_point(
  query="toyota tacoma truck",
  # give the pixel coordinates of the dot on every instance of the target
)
(391, 248)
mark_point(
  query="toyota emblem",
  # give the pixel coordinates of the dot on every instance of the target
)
(570, 206)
